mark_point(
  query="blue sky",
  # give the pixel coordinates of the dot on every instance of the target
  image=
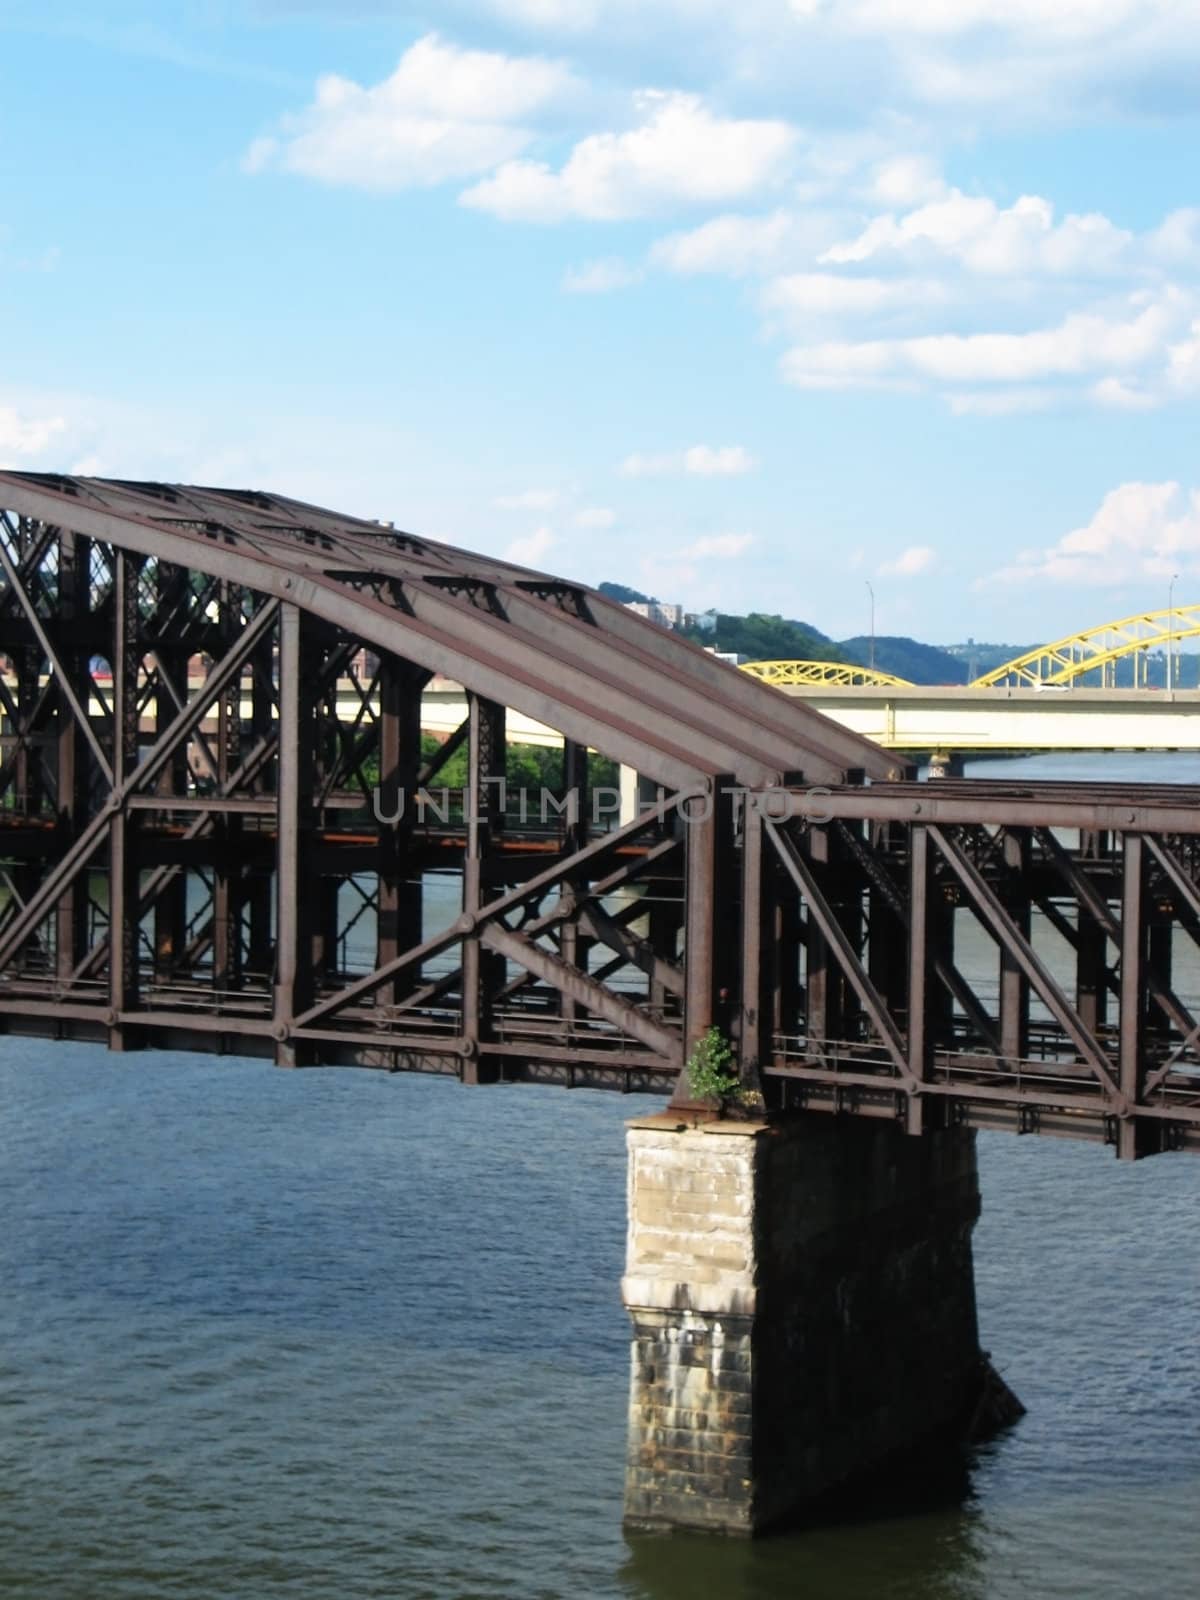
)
(747, 306)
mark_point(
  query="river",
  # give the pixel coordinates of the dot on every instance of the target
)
(331, 1335)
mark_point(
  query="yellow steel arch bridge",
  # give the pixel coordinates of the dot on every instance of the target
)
(1097, 650)
(838, 674)
(1086, 658)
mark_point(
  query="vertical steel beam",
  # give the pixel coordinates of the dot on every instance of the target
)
(1091, 971)
(1014, 985)
(72, 779)
(293, 889)
(123, 896)
(27, 783)
(788, 942)
(1159, 957)
(756, 1018)
(399, 910)
(920, 971)
(573, 942)
(226, 907)
(886, 949)
(709, 896)
(820, 970)
(170, 906)
(482, 969)
(258, 890)
(1131, 1028)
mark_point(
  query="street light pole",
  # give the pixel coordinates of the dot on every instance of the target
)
(871, 592)
(1170, 627)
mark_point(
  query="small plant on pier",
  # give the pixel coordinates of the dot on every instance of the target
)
(710, 1076)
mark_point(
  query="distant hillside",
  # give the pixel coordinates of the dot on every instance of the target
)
(622, 593)
(764, 636)
(978, 657)
(760, 637)
(907, 658)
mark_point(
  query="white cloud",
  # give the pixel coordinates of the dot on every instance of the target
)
(717, 547)
(701, 460)
(1083, 343)
(1033, 59)
(595, 517)
(601, 277)
(738, 245)
(1062, 20)
(569, 16)
(873, 303)
(1043, 57)
(1183, 361)
(906, 181)
(726, 461)
(872, 310)
(1141, 530)
(1002, 402)
(680, 153)
(1120, 395)
(528, 551)
(529, 500)
(988, 239)
(909, 563)
(1176, 240)
(22, 436)
(827, 294)
(444, 113)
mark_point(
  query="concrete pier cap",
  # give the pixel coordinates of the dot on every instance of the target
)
(803, 1305)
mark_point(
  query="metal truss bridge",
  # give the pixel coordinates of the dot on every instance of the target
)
(263, 865)
(1086, 659)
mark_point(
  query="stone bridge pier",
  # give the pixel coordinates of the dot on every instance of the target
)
(803, 1306)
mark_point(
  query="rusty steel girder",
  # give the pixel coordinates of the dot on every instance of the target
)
(211, 709)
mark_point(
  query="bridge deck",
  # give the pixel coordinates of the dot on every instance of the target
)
(999, 719)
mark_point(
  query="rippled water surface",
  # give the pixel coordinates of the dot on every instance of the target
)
(342, 1334)
(337, 1334)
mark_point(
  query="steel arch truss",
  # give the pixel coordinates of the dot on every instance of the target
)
(219, 830)
(833, 674)
(214, 799)
(1092, 656)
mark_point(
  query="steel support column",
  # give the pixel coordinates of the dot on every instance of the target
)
(1014, 985)
(293, 898)
(573, 943)
(482, 969)
(399, 911)
(170, 905)
(707, 827)
(72, 776)
(921, 986)
(123, 898)
(1131, 1141)
(756, 986)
